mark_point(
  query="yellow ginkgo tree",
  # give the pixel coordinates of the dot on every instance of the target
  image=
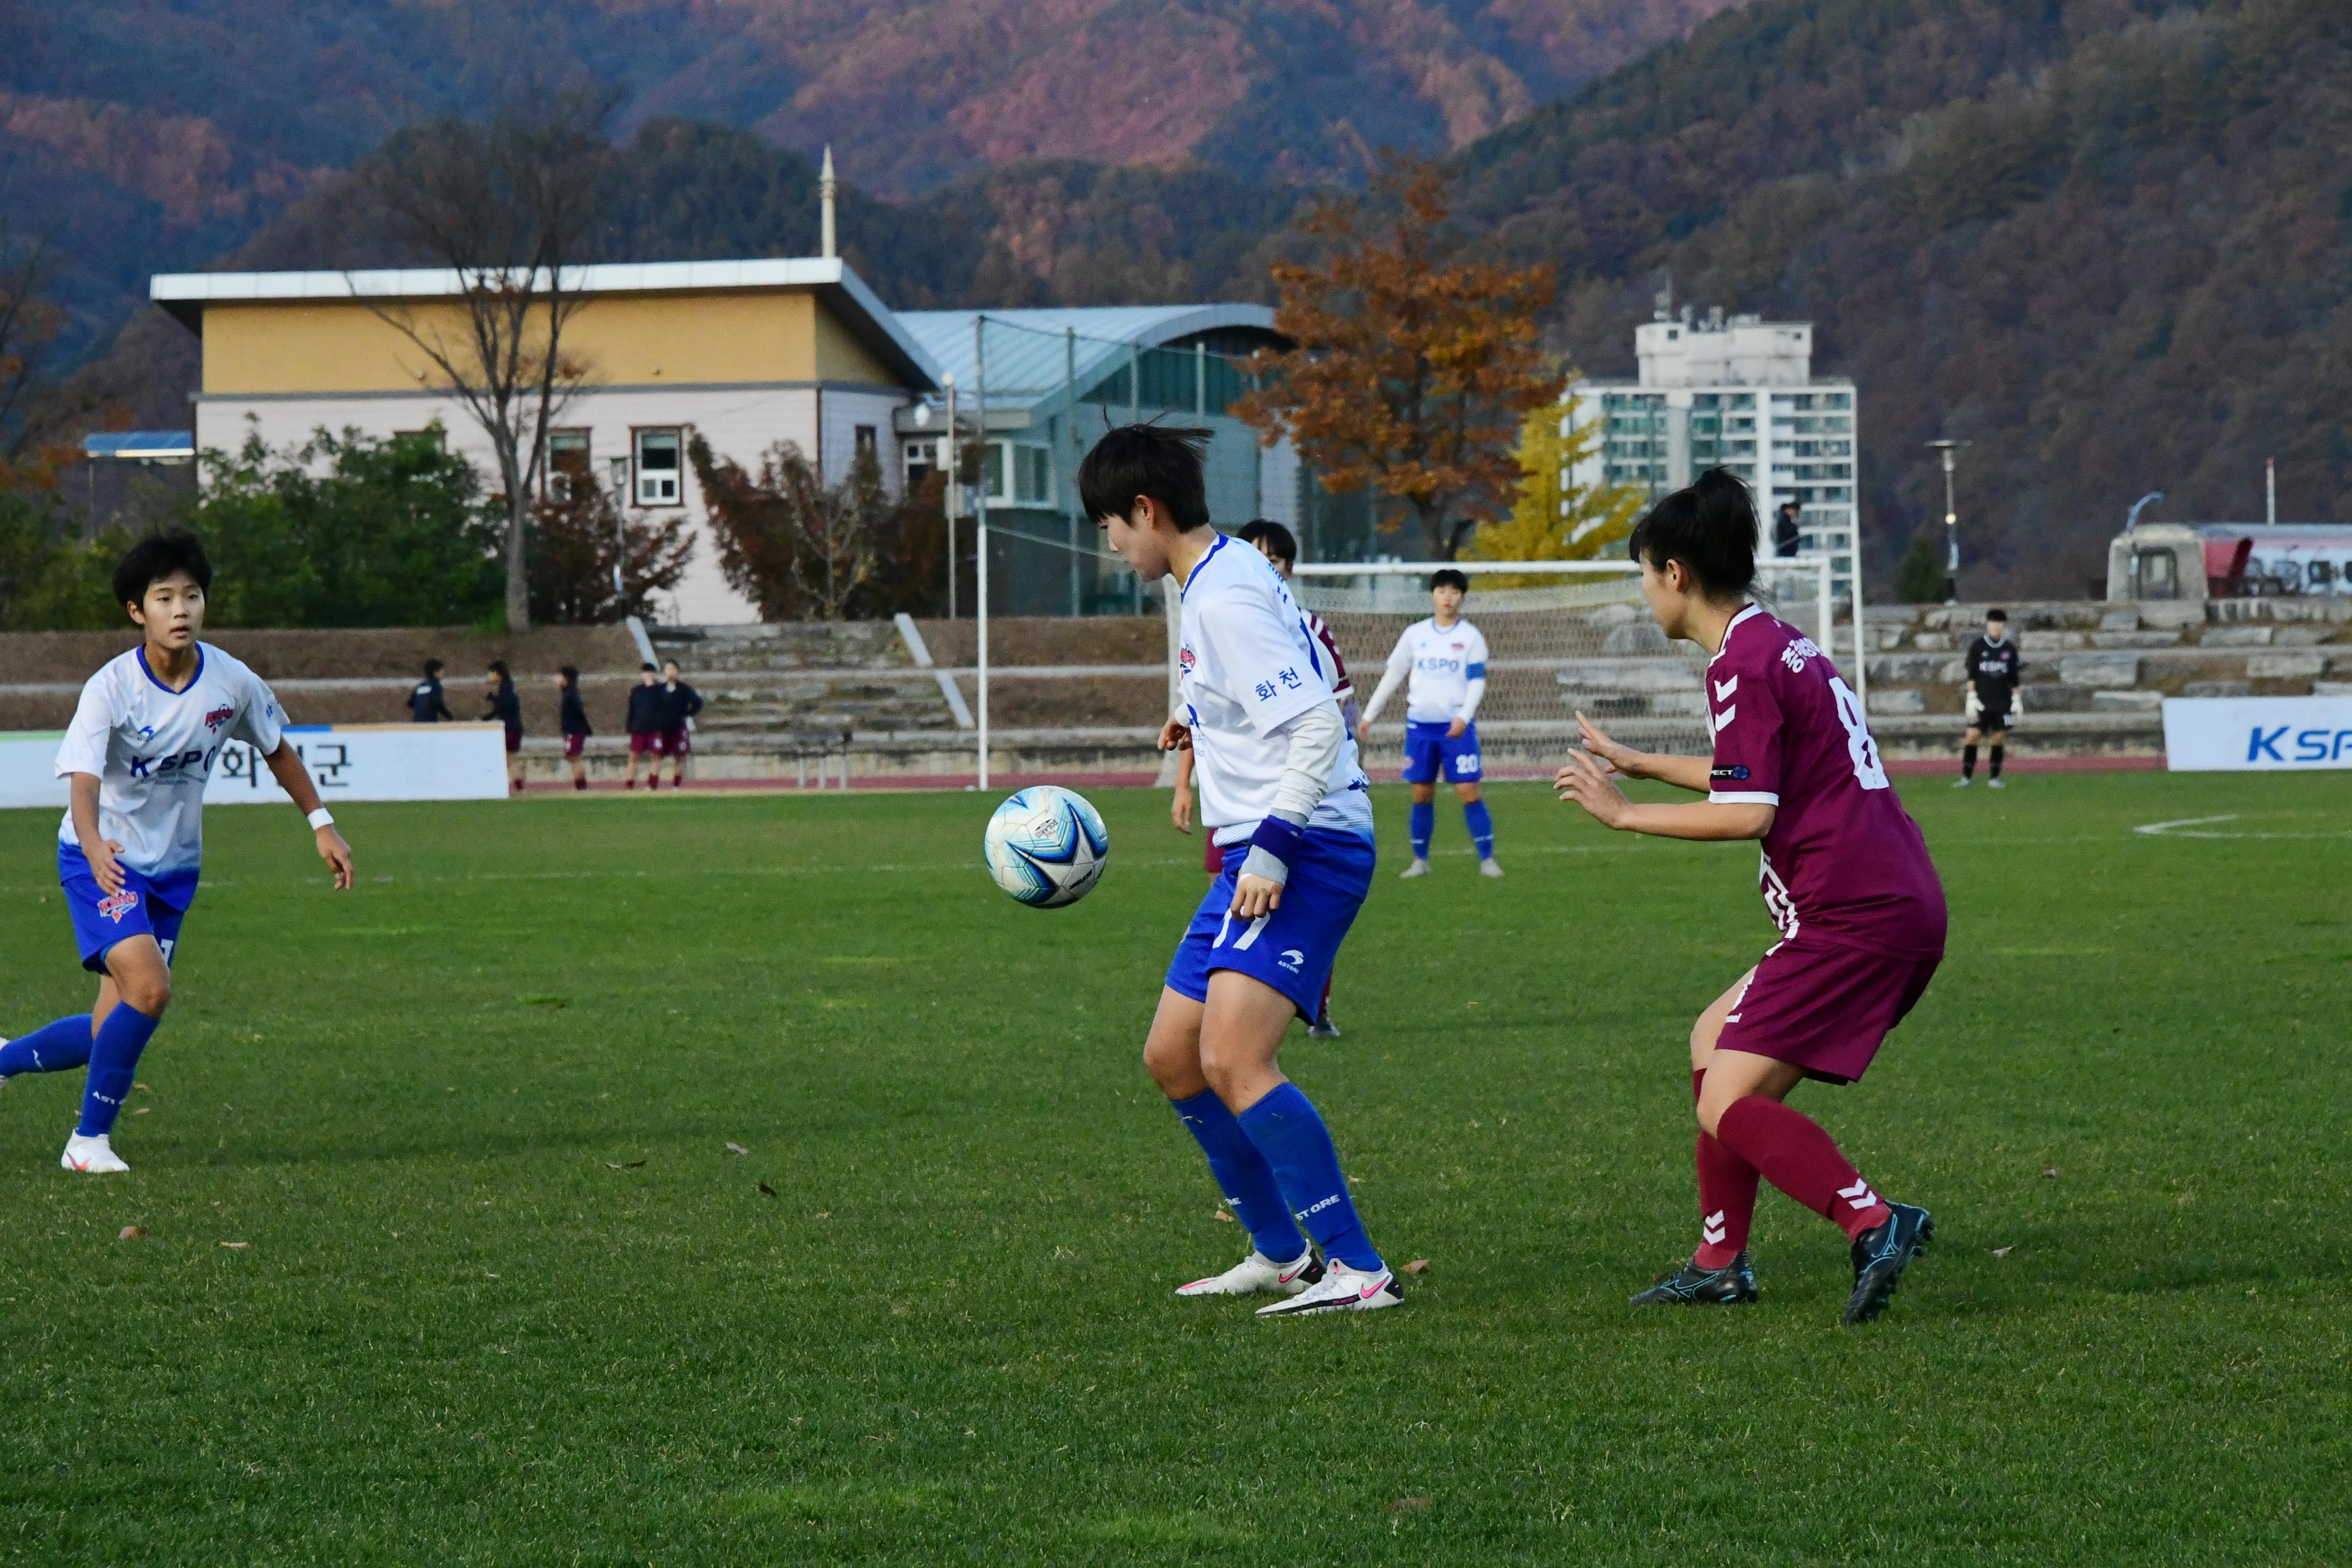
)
(1553, 518)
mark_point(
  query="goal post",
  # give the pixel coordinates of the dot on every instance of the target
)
(1563, 636)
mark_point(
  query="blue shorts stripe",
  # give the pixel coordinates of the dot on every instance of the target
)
(1290, 948)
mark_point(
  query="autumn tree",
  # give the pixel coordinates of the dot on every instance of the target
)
(1554, 517)
(593, 563)
(30, 453)
(1412, 372)
(788, 541)
(507, 207)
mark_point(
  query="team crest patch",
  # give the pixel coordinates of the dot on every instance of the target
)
(218, 717)
(114, 906)
(1184, 661)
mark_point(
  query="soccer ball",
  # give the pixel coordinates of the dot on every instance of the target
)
(1046, 845)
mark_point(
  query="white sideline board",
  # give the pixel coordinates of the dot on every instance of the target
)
(2256, 734)
(348, 761)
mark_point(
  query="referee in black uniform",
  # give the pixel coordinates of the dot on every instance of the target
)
(1992, 669)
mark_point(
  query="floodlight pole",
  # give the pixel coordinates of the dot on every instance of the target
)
(951, 463)
(980, 522)
(1951, 527)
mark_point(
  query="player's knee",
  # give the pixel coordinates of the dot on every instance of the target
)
(150, 993)
(1466, 792)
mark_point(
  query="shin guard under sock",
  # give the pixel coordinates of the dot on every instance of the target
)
(1423, 818)
(1291, 1135)
(113, 1060)
(1796, 1156)
(52, 1047)
(1968, 762)
(1476, 817)
(1242, 1176)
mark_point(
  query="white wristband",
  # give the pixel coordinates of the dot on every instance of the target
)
(322, 818)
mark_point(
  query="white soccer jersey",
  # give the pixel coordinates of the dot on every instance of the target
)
(1444, 663)
(1249, 666)
(153, 749)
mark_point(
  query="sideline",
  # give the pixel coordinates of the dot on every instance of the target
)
(2177, 827)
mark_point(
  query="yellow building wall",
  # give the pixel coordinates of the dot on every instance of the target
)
(332, 346)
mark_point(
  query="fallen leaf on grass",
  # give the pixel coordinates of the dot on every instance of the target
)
(2051, 1172)
(131, 1233)
(1408, 1504)
(1223, 1218)
(737, 1149)
(140, 1109)
(630, 1166)
(2004, 1251)
(767, 1191)
(1418, 1266)
(141, 1087)
(824, 1214)
(237, 1246)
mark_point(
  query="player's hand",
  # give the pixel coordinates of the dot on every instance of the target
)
(1179, 810)
(1614, 757)
(1363, 731)
(100, 853)
(337, 853)
(1175, 735)
(1586, 783)
(1454, 730)
(1256, 895)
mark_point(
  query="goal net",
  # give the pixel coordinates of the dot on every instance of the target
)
(1563, 636)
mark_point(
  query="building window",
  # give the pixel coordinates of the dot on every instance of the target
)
(867, 443)
(659, 480)
(567, 462)
(1032, 475)
(922, 459)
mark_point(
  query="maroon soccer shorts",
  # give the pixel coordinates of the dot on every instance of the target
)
(639, 744)
(1824, 1007)
(514, 737)
(1213, 856)
(675, 742)
(571, 744)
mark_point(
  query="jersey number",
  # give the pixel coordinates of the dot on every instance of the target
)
(1859, 747)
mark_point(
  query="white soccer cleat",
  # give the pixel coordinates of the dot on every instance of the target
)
(92, 1156)
(1323, 1028)
(1962, 781)
(1341, 1289)
(1418, 869)
(1995, 783)
(1488, 867)
(1258, 1273)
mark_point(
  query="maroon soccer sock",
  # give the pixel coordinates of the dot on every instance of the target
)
(1726, 1202)
(1796, 1156)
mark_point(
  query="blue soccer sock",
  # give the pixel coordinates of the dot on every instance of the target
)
(52, 1047)
(1292, 1137)
(1482, 828)
(1424, 823)
(1243, 1175)
(113, 1059)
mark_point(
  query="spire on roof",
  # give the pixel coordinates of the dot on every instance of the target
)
(825, 190)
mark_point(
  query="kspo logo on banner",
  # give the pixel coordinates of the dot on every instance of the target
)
(2255, 734)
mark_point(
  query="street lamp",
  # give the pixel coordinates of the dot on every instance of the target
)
(2131, 518)
(1951, 521)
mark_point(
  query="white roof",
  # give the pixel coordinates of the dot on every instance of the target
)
(1029, 351)
(870, 320)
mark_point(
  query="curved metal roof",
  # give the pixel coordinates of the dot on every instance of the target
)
(1030, 352)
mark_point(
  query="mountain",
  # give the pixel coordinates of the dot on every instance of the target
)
(2108, 241)
(154, 135)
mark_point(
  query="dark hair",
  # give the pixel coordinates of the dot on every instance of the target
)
(570, 674)
(156, 557)
(668, 664)
(499, 668)
(1275, 539)
(1709, 527)
(433, 666)
(1156, 460)
(649, 667)
(2000, 616)
(1447, 577)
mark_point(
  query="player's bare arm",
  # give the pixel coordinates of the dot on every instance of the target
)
(1682, 772)
(286, 765)
(100, 850)
(1584, 781)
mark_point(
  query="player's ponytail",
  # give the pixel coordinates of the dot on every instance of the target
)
(1709, 527)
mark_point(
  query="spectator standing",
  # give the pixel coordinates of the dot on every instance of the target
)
(646, 725)
(429, 704)
(573, 722)
(1787, 536)
(679, 704)
(505, 707)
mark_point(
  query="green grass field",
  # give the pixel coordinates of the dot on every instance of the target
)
(447, 1259)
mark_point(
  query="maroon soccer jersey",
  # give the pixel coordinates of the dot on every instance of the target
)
(1843, 862)
(1341, 687)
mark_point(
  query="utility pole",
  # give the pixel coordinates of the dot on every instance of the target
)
(1951, 527)
(952, 464)
(980, 525)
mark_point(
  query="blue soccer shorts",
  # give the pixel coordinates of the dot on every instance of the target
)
(1428, 752)
(100, 920)
(1290, 948)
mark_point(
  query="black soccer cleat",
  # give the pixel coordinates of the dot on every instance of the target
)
(1734, 1285)
(1881, 1255)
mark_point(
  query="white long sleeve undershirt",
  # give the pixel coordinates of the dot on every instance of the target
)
(1315, 739)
